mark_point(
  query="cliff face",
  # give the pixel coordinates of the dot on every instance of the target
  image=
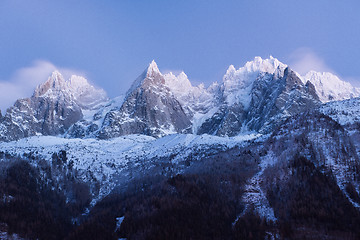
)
(53, 108)
(149, 108)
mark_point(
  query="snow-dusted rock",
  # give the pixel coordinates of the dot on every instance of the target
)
(54, 107)
(330, 88)
(257, 96)
(149, 108)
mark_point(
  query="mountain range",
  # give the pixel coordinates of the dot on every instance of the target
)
(255, 97)
(260, 138)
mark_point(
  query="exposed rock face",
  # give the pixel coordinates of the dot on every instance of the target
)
(255, 97)
(52, 109)
(149, 108)
(273, 97)
(276, 97)
(227, 121)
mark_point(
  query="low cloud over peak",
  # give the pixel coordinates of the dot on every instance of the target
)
(304, 60)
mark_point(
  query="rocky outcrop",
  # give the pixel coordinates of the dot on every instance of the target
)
(276, 97)
(149, 108)
(271, 98)
(52, 109)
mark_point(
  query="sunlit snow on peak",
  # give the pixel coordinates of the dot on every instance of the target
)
(329, 87)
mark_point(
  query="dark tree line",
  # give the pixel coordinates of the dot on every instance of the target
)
(181, 207)
(31, 202)
(311, 204)
(201, 203)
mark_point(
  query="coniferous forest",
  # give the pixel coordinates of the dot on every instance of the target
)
(202, 204)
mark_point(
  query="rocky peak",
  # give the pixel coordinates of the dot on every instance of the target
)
(54, 107)
(230, 73)
(268, 65)
(237, 84)
(76, 89)
(179, 84)
(150, 77)
(149, 108)
(152, 70)
(55, 83)
(259, 97)
(153, 77)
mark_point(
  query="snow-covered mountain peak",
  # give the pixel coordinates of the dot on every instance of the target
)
(150, 76)
(55, 83)
(329, 87)
(237, 84)
(179, 83)
(231, 70)
(152, 69)
(244, 75)
(182, 75)
(85, 94)
(264, 65)
(77, 88)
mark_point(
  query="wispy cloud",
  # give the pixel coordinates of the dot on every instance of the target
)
(23, 82)
(304, 60)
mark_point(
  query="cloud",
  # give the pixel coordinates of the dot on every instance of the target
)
(23, 82)
(304, 60)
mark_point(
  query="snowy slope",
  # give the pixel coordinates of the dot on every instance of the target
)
(85, 94)
(330, 88)
(346, 112)
(121, 159)
(192, 98)
(93, 119)
(198, 102)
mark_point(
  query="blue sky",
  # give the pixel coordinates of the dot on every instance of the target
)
(111, 42)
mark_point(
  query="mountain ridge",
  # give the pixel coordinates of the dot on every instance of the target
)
(158, 104)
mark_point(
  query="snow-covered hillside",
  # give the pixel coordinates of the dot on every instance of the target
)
(123, 157)
(330, 88)
(346, 112)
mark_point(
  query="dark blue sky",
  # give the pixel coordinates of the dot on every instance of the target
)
(113, 41)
